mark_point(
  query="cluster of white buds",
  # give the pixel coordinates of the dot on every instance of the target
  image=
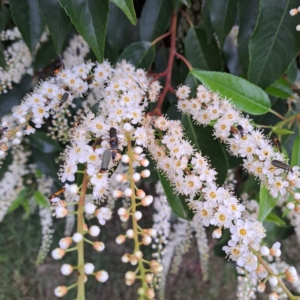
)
(260, 157)
(294, 12)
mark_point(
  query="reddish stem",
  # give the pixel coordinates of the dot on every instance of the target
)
(184, 60)
(160, 38)
(157, 109)
(187, 17)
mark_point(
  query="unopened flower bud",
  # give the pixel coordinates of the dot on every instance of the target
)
(136, 177)
(275, 250)
(152, 232)
(101, 276)
(156, 267)
(138, 215)
(117, 194)
(77, 237)
(291, 205)
(129, 277)
(122, 211)
(94, 230)
(140, 193)
(130, 233)
(217, 233)
(146, 240)
(89, 268)
(90, 208)
(73, 188)
(58, 253)
(264, 251)
(261, 287)
(150, 293)
(98, 246)
(138, 150)
(147, 200)
(138, 254)
(291, 274)
(145, 173)
(273, 280)
(60, 291)
(128, 192)
(60, 212)
(133, 260)
(293, 12)
(297, 196)
(66, 269)
(273, 296)
(125, 258)
(125, 159)
(127, 127)
(149, 278)
(65, 243)
(120, 239)
(144, 162)
(297, 209)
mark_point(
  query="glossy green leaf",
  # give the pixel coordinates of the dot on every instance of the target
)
(45, 55)
(2, 22)
(204, 141)
(117, 36)
(90, 19)
(295, 160)
(2, 58)
(57, 22)
(40, 199)
(128, 8)
(176, 202)
(200, 53)
(27, 17)
(38, 173)
(247, 12)
(280, 89)
(154, 19)
(266, 203)
(275, 43)
(273, 218)
(21, 198)
(243, 94)
(207, 22)
(141, 54)
(282, 131)
(222, 15)
(44, 143)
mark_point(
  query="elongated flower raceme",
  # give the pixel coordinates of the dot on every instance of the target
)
(191, 175)
(249, 143)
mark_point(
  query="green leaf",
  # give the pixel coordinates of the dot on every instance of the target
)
(2, 57)
(21, 198)
(203, 139)
(280, 89)
(38, 173)
(45, 55)
(176, 202)
(57, 21)
(247, 12)
(128, 8)
(295, 160)
(27, 17)
(266, 203)
(90, 19)
(140, 54)
(2, 21)
(207, 22)
(117, 36)
(40, 199)
(243, 94)
(155, 19)
(273, 218)
(222, 15)
(282, 131)
(275, 43)
(200, 53)
(44, 143)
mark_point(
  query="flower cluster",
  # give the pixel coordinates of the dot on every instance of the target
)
(242, 139)
(190, 175)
